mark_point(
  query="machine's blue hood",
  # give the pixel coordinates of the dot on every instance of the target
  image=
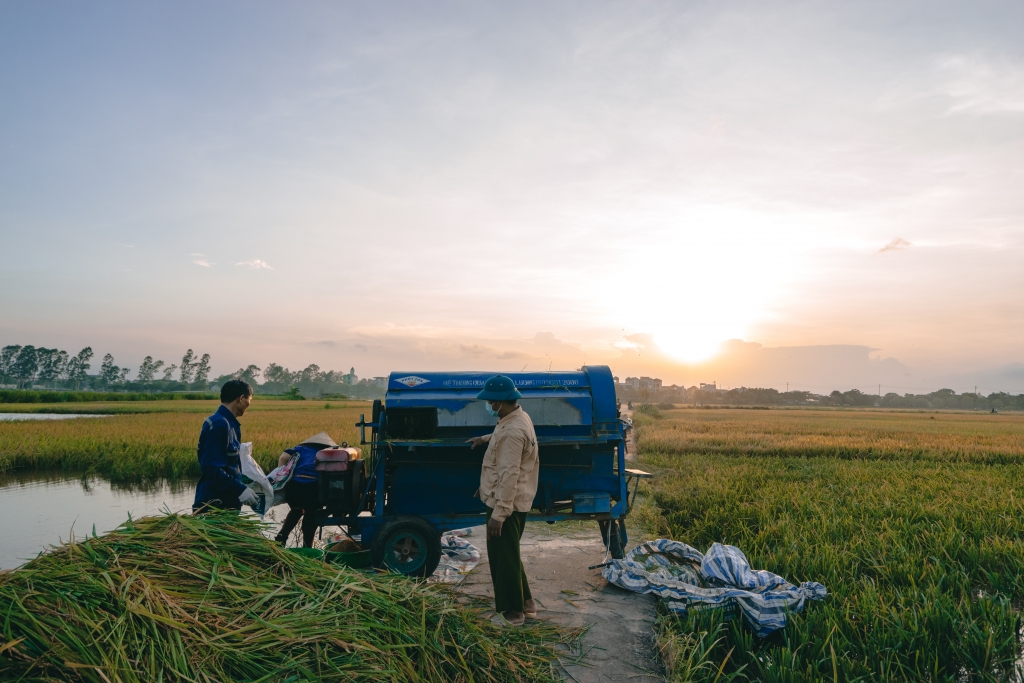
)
(552, 399)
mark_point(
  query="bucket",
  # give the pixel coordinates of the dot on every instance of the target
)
(356, 560)
(312, 553)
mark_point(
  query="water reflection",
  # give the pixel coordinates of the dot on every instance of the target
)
(40, 510)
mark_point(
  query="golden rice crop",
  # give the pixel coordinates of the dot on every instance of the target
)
(969, 437)
(147, 446)
(914, 525)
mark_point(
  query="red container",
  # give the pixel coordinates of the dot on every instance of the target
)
(336, 459)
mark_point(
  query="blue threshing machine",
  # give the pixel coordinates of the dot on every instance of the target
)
(420, 475)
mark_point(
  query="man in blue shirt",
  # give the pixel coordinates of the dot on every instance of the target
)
(220, 484)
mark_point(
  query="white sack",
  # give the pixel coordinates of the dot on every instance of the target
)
(252, 471)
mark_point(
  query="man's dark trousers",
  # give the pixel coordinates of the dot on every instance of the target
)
(511, 589)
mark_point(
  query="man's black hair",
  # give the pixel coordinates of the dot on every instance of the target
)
(234, 388)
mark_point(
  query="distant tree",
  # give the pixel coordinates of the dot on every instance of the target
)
(149, 368)
(25, 366)
(109, 373)
(187, 367)
(169, 372)
(310, 374)
(122, 375)
(7, 357)
(77, 369)
(250, 374)
(203, 369)
(277, 374)
(51, 365)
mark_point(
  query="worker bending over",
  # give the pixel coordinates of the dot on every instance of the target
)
(302, 492)
(508, 484)
(220, 482)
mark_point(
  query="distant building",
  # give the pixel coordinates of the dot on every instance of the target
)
(350, 378)
(709, 387)
(633, 382)
(380, 382)
(650, 383)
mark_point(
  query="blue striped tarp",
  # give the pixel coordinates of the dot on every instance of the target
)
(688, 579)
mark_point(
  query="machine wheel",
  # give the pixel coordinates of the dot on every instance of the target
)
(407, 545)
(615, 538)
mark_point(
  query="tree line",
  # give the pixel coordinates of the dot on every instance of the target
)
(941, 399)
(29, 366)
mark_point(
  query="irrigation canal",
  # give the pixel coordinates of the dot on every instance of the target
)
(48, 507)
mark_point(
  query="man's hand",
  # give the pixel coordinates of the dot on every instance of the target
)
(247, 497)
(477, 441)
(494, 528)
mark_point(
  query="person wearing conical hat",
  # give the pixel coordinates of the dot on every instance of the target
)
(302, 492)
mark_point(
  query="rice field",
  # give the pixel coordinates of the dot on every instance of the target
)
(160, 441)
(913, 521)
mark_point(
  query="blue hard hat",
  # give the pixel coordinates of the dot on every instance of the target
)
(499, 388)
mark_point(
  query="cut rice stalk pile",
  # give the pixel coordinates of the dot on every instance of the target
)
(180, 598)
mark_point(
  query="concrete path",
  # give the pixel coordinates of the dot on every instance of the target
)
(619, 646)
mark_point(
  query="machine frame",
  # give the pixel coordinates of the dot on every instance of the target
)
(397, 499)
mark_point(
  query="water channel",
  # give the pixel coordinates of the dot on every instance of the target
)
(41, 510)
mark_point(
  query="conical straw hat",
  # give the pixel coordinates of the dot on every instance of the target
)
(321, 439)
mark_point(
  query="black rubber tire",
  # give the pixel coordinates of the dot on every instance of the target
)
(376, 410)
(414, 533)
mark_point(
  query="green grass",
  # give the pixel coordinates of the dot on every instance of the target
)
(913, 524)
(161, 441)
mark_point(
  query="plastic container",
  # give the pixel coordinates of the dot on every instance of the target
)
(357, 560)
(313, 553)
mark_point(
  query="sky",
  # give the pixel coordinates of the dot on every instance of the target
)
(821, 194)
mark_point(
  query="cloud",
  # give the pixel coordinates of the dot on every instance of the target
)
(477, 349)
(897, 244)
(255, 264)
(204, 263)
(982, 86)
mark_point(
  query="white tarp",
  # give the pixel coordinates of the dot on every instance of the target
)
(686, 578)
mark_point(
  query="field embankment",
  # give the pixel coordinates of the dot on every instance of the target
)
(161, 442)
(913, 524)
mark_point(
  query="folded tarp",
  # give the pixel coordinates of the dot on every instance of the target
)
(688, 579)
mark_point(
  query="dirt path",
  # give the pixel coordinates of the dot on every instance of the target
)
(619, 645)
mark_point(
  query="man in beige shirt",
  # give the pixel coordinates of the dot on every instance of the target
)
(508, 484)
